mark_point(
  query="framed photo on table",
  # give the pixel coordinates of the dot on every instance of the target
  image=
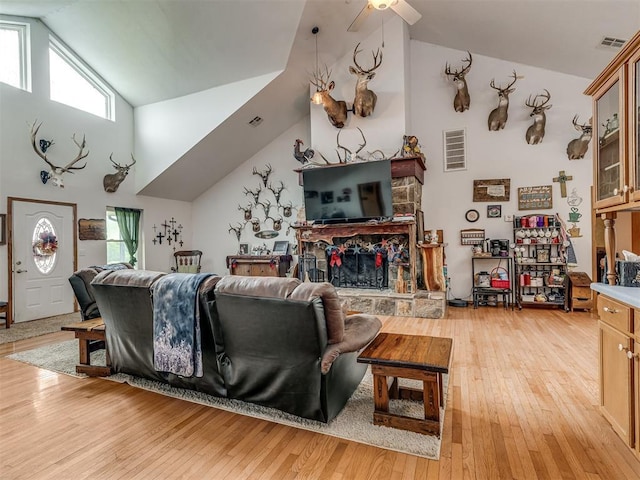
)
(244, 249)
(281, 247)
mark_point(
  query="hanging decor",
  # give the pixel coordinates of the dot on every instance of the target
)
(55, 172)
(46, 244)
(267, 212)
(171, 232)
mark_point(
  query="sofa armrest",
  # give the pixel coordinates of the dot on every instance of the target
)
(359, 331)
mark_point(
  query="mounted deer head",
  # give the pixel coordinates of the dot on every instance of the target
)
(277, 223)
(55, 172)
(365, 100)
(237, 230)
(264, 175)
(535, 133)
(246, 212)
(336, 109)
(277, 191)
(577, 148)
(254, 194)
(266, 207)
(462, 100)
(112, 181)
(348, 155)
(498, 116)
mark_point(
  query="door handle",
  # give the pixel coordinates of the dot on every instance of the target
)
(21, 271)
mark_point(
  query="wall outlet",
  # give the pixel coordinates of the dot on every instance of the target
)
(508, 218)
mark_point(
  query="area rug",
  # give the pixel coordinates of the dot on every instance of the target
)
(35, 328)
(353, 423)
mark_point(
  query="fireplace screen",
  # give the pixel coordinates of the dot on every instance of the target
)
(358, 270)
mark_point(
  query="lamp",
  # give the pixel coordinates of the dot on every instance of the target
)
(382, 4)
(316, 99)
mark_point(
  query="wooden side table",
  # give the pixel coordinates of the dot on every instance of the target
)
(86, 332)
(417, 357)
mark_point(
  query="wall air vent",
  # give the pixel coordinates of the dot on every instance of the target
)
(255, 121)
(455, 150)
(612, 42)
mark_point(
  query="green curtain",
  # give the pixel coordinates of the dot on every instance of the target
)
(128, 223)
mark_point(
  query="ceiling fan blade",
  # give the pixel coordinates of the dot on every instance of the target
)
(360, 18)
(406, 11)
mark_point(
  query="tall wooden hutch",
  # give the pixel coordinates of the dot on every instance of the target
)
(616, 160)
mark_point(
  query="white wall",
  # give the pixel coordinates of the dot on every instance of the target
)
(216, 209)
(384, 129)
(490, 155)
(20, 166)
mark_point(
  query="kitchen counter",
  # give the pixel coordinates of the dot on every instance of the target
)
(627, 295)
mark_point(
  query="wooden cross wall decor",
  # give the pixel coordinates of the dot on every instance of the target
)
(563, 178)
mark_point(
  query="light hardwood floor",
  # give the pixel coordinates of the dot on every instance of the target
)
(523, 403)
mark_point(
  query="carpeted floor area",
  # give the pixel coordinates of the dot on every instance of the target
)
(35, 328)
(353, 423)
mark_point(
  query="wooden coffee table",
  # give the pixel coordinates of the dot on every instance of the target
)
(416, 357)
(86, 332)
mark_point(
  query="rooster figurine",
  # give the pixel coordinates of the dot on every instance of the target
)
(302, 157)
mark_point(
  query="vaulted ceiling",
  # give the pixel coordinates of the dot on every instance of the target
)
(154, 50)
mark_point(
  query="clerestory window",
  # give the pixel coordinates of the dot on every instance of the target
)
(75, 85)
(14, 55)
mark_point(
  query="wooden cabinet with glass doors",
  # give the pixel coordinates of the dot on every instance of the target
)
(616, 131)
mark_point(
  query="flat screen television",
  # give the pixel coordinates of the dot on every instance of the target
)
(351, 192)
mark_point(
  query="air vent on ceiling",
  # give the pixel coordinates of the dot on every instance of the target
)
(455, 156)
(255, 121)
(612, 42)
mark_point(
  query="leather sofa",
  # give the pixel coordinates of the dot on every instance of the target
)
(271, 341)
(81, 284)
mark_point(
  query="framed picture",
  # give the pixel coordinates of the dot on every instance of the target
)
(492, 190)
(542, 256)
(244, 249)
(92, 229)
(3, 228)
(494, 211)
(281, 247)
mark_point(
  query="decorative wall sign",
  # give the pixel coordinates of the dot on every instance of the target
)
(534, 198)
(92, 229)
(496, 190)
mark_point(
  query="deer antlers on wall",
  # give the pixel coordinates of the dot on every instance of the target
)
(462, 100)
(336, 109)
(348, 155)
(112, 181)
(498, 116)
(55, 173)
(365, 100)
(578, 147)
(535, 133)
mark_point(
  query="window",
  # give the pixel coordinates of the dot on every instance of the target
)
(116, 249)
(45, 245)
(14, 55)
(73, 84)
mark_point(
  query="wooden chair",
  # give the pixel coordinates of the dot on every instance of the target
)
(187, 261)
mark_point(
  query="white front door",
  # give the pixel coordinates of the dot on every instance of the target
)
(41, 273)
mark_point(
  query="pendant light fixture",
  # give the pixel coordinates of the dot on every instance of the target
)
(316, 99)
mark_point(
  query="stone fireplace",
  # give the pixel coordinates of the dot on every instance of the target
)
(375, 265)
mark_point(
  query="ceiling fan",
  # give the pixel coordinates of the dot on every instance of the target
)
(401, 7)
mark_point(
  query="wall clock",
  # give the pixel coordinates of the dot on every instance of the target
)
(472, 215)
